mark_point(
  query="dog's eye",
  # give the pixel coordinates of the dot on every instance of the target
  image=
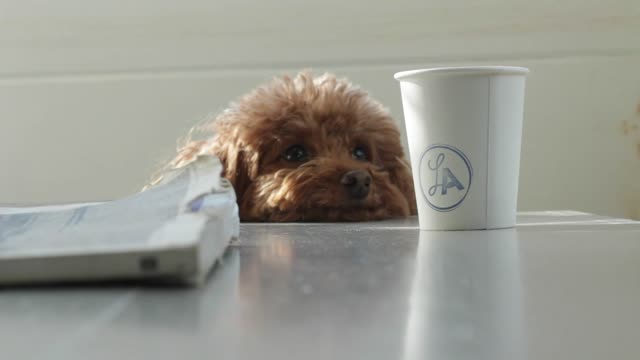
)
(359, 153)
(295, 153)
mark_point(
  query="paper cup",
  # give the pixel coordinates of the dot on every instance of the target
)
(464, 129)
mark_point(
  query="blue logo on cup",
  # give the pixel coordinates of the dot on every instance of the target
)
(445, 177)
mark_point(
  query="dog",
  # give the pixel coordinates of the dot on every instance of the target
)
(308, 148)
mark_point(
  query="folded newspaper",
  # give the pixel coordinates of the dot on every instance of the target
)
(174, 231)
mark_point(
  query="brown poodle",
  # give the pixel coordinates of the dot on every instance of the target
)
(309, 149)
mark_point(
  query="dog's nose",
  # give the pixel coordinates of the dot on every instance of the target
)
(357, 183)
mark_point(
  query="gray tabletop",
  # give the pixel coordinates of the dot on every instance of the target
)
(562, 285)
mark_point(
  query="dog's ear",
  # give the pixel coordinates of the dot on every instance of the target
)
(185, 155)
(390, 154)
(240, 165)
(400, 175)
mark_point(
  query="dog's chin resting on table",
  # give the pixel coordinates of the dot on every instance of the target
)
(309, 149)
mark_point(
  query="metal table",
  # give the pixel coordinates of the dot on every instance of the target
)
(563, 285)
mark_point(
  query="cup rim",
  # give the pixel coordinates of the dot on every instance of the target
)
(463, 70)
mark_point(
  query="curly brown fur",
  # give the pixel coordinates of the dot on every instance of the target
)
(328, 117)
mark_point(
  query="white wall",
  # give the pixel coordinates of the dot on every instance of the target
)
(93, 95)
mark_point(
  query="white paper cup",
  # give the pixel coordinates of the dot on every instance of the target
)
(464, 128)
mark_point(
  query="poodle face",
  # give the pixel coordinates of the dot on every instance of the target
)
(311, 149)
